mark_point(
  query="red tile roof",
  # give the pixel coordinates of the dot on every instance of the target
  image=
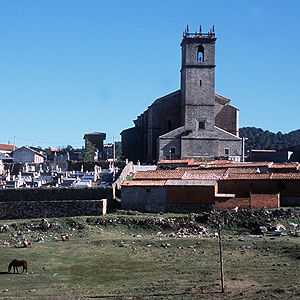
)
(204, 174)
(231, 164)
(8, 147)
(242, 171)
(264, 176)
(231, 171)
(249, 164)
(285, 166)
(180, 182)
(211, 162)
(187, 161)
(158, 175)
(249, 176)
(285, 176)
(144, 183)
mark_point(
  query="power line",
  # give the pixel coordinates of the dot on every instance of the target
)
(48, 142)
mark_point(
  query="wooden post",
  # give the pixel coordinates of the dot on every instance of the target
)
(114, 149)
(221, 257)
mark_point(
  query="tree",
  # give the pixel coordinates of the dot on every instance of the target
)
(110, 153)
(89, 154)
(260, 139)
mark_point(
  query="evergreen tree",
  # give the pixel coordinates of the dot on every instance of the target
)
(89, 153)
(260, 139)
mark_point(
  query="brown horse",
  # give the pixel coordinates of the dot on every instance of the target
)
(18, 263)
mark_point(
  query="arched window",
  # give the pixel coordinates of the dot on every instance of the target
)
(200, 55)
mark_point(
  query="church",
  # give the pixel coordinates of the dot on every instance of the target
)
(192, 122)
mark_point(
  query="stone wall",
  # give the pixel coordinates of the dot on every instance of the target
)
(227, 119)
(129, 168)
(48, 209)
(144, 198)
(188, 208)
(55, 194)
(54, 202)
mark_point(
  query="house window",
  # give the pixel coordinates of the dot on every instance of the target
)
(147, 190)
(172, 152)
(200, 82)
(201, 124)
(200, 55)
(226, 151)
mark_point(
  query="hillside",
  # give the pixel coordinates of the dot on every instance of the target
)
(264, 139)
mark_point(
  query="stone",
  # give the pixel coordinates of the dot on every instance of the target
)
(262, 229)
(280, 227)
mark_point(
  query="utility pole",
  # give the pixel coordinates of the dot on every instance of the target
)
(114, 149)
(243, 148)
(221, 257)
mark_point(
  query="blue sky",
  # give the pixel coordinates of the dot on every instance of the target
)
(73, 67)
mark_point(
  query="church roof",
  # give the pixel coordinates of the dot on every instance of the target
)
(221, 99)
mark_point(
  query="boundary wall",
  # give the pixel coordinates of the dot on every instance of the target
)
(54, 202)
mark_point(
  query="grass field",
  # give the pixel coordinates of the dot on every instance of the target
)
(118, 262)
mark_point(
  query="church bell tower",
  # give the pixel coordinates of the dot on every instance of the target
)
(198, 80)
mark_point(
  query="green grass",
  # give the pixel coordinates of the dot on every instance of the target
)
(93, 265)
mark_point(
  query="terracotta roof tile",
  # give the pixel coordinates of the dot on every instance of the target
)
(286, 176)
(8, 147)
(211, 162)
(249, 164)
(158, 175)
(180, 182)
(144, 183)
(187, 161)
(285, 166)
(263, 176)
(242, 171)
(204, 174)
(249, 176)
(231, 164)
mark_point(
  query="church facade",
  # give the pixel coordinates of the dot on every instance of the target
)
(193, 122)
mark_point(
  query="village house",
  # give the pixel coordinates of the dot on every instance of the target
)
(5, 152)
(221, 185)
(286, 155)
(28, 155)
